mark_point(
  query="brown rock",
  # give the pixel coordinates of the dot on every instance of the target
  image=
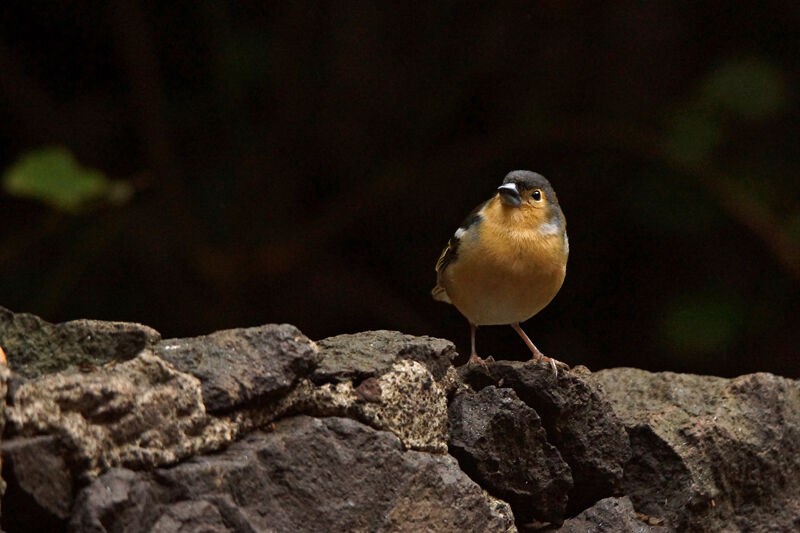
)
(386, 379)
(579, 422)
(243, 367)
(710, 454)
(499, 441)
(405, 400)
(610, 515)
(4, 377)
(355, 357)
(140, 413)
(40, 484)
(309, 474)
(35, 347)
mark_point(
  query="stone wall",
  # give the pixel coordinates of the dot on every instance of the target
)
(110, 428)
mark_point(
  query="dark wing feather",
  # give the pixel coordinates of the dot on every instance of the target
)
(447, 255)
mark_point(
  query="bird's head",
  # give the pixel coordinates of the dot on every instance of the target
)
(530, 196)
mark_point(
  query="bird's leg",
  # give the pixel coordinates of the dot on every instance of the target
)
(473, 356)
(537, 355)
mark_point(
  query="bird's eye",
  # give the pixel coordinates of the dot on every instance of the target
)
(536, 195)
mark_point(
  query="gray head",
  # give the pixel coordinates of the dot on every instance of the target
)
(519, 185)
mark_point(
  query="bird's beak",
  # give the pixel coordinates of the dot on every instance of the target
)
(509, 194)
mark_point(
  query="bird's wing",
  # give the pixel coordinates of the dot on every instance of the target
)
(450, 252)
(447, 255)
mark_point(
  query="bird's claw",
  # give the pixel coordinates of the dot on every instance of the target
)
(474, 360)
(554, 363)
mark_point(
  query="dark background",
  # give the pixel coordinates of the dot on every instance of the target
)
(305, 162)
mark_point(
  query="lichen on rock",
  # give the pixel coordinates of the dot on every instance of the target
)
(405, 400)
(139, 413)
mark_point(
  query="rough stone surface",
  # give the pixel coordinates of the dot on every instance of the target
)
(356, 357)
(711, 454)
(35, 347)
(4, 376)
(611, 515)
(139, 413)
(242, 367)
(405, 400)
(40, 483)
(499, 441)
(309, 474)
(579, 422)
(144, 412)
(159, 422)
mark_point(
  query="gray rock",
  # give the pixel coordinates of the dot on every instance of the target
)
(579, 422)
(40, 484)
(500, 443)
(5, 373)
(612, 515)
(243, 367)
(89, 397)
(356, 357)
(405, 400)
(192, 517)
(711, 454)
(140, 413)
(35, 347)
(119, 500)
(386, 379)
(144, 413)
(308, 474)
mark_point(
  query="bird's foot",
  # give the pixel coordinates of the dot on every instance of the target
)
(474, 360)
(554, 363)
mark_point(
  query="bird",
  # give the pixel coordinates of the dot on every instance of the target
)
(507, 260)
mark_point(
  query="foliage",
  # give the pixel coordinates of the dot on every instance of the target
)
(52, 176)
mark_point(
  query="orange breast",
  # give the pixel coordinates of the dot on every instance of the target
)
(508, 273)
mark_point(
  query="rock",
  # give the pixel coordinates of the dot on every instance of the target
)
(309, 474)
(579, 422)
(143, 413)
(128, 423)
(40, 484)
(710, 454)
(4, 377)
(405, 400)
(368, 354)
(611, 515)
(119, 500)
(243, 367)
(500, 443)
(35, 347)
(386, 379)
(140, 413)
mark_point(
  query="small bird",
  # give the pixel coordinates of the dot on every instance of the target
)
(508, 259)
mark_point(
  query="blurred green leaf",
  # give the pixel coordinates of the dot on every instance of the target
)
(52, 176)
(703, 323)
(750, 87)
(693, 135)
